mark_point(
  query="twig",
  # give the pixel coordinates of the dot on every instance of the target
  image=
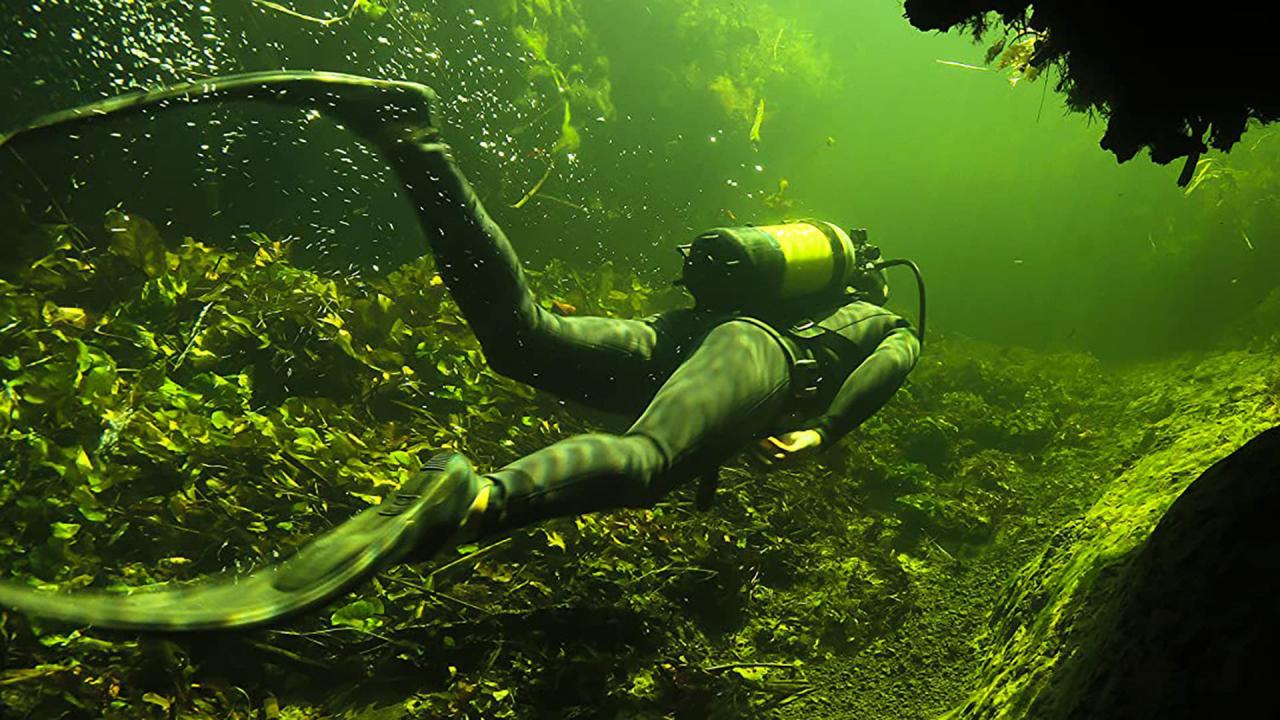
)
(587, 300)
(794, 696)
(434, 593)
(1044, 91)
(195, 332)
(688, 569)
(536, 187)
(289, 655)
(52, 200)
(962, 66)
(299, 464)
(731, 666)
(421, 411)
(323, 22)
(470, 557)
(562, 201)
(941, 549)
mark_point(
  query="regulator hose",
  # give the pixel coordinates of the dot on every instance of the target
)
(915, 269)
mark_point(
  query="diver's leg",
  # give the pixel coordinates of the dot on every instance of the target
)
(603, 362)
(729, 392)
(607, 363)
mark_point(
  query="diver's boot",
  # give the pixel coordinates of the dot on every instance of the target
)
(455, 499)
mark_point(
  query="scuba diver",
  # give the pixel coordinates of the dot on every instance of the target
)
(787, 350)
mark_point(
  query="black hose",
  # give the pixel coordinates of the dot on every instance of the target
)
(915, 269)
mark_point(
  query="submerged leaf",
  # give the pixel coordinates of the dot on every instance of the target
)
(755, 126)
(64, 531)
(361, 614)
(158, 700)
(55, 315)
(138, 241)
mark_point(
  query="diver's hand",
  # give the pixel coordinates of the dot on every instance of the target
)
(788, 447)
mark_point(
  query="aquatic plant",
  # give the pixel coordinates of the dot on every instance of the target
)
(562, 50)
(741, 48)
(372, 8)
(161, 392)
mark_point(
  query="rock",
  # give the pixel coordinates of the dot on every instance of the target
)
(1196, 622)
(1159, 602)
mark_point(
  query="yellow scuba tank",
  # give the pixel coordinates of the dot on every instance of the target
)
(739, 268)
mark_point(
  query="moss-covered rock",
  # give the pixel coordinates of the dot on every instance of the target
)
(1036, 652)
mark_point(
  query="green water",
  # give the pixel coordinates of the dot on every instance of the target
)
(1029, 233)
(170, 409)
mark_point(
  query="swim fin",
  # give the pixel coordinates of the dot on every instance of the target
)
(412, 523)
(365, 105)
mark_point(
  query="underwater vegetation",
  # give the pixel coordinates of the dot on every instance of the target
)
(1175, 79)
(171, 409)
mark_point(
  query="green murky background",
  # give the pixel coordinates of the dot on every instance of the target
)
(1028, 232)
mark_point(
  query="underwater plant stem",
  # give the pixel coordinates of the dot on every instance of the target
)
(1044, 91)
(562, 201)
(757, 123)
(62, 213)
(195, 333)
(291, 459)
(424, 413)
(324, 22)
(291, 656)
(434, 593)
(536, 187)
(587, 300)
(731, 666)
(939, 548)
(964, 66)
(470, 557)
(793, 697)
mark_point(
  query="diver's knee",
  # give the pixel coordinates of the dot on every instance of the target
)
(514, 346)
(508, 360)
(649, 464)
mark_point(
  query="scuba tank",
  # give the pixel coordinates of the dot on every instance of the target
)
(732, 268)
(754, 268)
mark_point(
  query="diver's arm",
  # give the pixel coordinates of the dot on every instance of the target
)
(870, 385)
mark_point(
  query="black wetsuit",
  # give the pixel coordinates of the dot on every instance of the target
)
(702, 384)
